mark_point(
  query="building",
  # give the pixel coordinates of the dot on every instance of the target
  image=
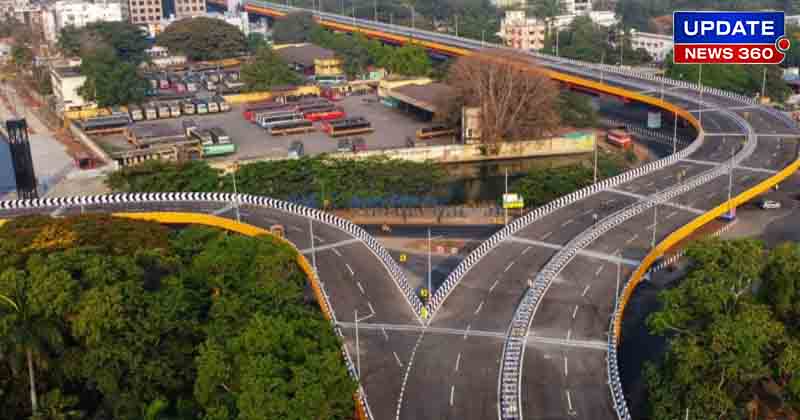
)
(5, 50)
(658, 46)
(509, 4)
(144, 12)
(78, 13)
(240, 20)
(189, 8)
(310, 59)
(66, 82)
(528, 33)
(576, 7)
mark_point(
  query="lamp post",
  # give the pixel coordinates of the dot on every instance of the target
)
(675, 134)
(235, 191)
(595, 160)
(621, 47)
(764, 85)
(358, 352)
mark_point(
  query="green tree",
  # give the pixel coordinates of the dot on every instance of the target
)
(109, 80)
(192, 176)
(58, 406)
(24, 332)
(69, 40)
(294, 28)
(266, 71)
(782, 282)
(545, 9)
(746, 80)
(203, 38)
(21, 55)
(127, 41)
(409, 60)
(256, 41)
(576, 110)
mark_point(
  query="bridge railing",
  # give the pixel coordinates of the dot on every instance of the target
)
(397, 274)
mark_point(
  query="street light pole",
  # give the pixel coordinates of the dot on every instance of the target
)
(375, 9)
(764, 84)
(456, 25)
(236, 192)
(675, 134)
(595, 160)
(429, 262)
(505, 210)
(655, 222)
(622, 47)
(313, 249)
(557, 31)
(700, 86)
(619, 276)
(358, 350)
(602, 65)
(483, 39)
(730, 184)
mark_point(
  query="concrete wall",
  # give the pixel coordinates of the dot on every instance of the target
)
(478, 152)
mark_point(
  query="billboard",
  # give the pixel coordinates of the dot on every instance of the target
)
(729, 37)
(21, 158)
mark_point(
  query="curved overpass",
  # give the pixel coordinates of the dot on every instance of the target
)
(521, 327)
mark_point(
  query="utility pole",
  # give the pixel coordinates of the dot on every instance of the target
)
(483, 39)
(429, 262)
(456, 16)
(602, 64)
(655, 222)
(595, 160)
(730, 184)
(675, 134)
(700, 86)
(358, 353)
(236, 192)
(619, 276)
(354, 14)
(375, 7)
(764, 84)
(621, 47)
(557, 32)
(313, 250)
(505, 210)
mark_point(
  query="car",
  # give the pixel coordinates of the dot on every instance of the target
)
(296, 150)
(344, 145)
(359, 145)
(770, 204)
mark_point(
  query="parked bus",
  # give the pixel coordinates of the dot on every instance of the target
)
(200, 106)
(113, 123)
(136, 112)
(332, 113)
(291, 127)
(620, 137)
(213, 106)
(150, 112)
(435, 131)
(219, 135)
(330, 80)
(163, 110)
(221, 103)
(175, 109)
(204, 136)
(188, 108)
(346, 126)
(253, 109)
(268, 120)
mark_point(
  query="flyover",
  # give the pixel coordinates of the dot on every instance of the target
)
(518, 328)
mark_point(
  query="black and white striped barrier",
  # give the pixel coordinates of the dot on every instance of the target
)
(372, 244)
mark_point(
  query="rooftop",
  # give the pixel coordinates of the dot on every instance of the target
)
(304, 54)
(423, 96)
(67, 71)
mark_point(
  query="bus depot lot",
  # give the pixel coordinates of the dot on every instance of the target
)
(390, 126)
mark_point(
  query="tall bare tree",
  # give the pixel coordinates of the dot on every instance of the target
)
(517, 100)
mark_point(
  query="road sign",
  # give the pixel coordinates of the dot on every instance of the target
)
(513, 201)
(403, 257)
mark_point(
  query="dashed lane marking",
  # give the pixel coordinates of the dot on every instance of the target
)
(526, 250)
(479, 308)
(332, 246)
(575, 312)
(509, 266)
(385, 336)
(458, 361)
(546, 235)
(494, 285)
(567, 223)
(586, 290)
(466, 332)
(371, 309)
(569, 334)
(566, 367)
(352, 273)
(336, 251)
(599, 270)
(399, 363)
(360, 287)
(452, 391)
(632, 238)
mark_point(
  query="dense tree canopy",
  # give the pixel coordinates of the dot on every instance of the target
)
(203, 38)
(110, 80)
(294, 28)
(127, 41)
(732, 353)
(640, 13)
(314, 181)
(588, 41)
(267, 70)
(128, 320)
(746, 80)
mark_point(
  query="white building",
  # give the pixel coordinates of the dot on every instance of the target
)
(237, 19)
(78, 13)
(658, 46)
(5, 50)
(66, 82)
(528, 33)
(509, 4)
(576, 7)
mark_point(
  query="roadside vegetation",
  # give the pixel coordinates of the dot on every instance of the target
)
(733, 335)
(203, 38)
(542, 185)
(314, 181)
(114, 318)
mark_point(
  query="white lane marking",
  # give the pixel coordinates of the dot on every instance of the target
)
(566, 368)
(509, 266)
(294, 228)
(360, 287)
(575, 312)
(317, 238)
(466, 332)
(352, 273)
(526, 250)
(385, 336)
(597, 273)
(479, 308)
(452, 391)
(669, 216)
(569, 402)
(335, 251)
(587, 212)
(546, 235)
(632, 238)
(371, 309)
(458, 361)
(493, 285)
(565, 224)
(586, 289)
(650, 184)
(57, 212)
(569, 334)
(399, 363)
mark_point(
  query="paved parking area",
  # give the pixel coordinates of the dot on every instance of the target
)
(391, 128)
